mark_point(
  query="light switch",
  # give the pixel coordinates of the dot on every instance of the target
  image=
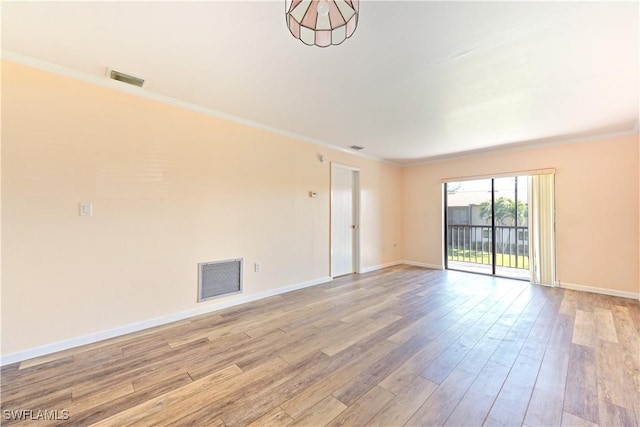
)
(86, 209)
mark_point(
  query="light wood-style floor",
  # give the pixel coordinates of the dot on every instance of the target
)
(400, 346)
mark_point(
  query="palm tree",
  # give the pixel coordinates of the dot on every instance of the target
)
(505, 211)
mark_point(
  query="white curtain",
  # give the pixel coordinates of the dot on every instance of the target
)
(542, 242)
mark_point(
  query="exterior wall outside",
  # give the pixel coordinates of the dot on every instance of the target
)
(474, 216)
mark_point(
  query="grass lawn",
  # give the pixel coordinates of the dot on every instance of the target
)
(502, 260)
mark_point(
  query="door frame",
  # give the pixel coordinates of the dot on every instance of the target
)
(493, 226)
(355, 236)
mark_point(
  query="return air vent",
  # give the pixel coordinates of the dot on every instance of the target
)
(125, 78)
(219, 278)
(356, 147)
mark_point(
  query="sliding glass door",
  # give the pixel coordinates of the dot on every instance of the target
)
(486, 226)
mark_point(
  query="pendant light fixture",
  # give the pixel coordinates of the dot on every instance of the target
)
(322, 22)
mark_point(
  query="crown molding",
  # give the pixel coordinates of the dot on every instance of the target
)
(104, 81)
(521, 146)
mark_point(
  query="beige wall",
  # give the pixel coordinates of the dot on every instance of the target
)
(596, 206)
(170, 188)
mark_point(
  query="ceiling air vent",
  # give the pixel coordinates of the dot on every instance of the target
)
(125, 78)
(356, 147)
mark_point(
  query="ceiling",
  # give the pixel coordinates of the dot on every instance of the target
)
(418, 80)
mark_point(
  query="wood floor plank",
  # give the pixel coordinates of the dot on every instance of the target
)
(305, 399)
(511, 404)
(100, 344)
(604, 325)
(194, 419)
(402, 346)
(59, 400)
(238, 408)
(44, 373)
(275, 418)
(362, 315)
(414, 366)
(363, 409)
(372, 375)
(109, 373)
(146, 411)
(535, 345)
(358, 332)
(404, 404)
(48, 359)
(190, 421)
(323, 412)
(570, 420)
(334, 371)
(509, 348)
(217, 397)
(474, 406)
(634, 310)
(634, 396)
(508, 313)
(98, 355)
(438, 407)
(103, 396)
(438, 310)
(36, 399)
(547, 400)
(409, 370)
(612, 385)
(475, 360)
(629, 343)
(569, 303)
(438, 370)
(209, 362)
(613, 415)
(140, 367)
(97, 413)
(581, 392)
(584, 330)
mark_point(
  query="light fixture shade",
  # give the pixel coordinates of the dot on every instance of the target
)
(322, 22)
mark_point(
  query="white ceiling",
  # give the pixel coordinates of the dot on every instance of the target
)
(417, 80)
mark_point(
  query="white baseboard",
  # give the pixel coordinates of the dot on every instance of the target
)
(219, 305)
(401, 262)
(423, 264)
(603, 291)
(150, 323)
(380, 267)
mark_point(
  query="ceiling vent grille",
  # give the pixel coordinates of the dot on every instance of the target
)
(356, 147)
(125, 78)
(219, 278)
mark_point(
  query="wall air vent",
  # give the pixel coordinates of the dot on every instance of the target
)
(219, 278)
(356, 147)
(125, 78)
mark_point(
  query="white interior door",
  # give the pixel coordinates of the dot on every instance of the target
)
(344, 219)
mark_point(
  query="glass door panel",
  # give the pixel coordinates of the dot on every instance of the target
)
(468, 229)
(487, 226)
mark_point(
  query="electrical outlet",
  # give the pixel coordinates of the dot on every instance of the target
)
(257, 267)
(86, 209)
